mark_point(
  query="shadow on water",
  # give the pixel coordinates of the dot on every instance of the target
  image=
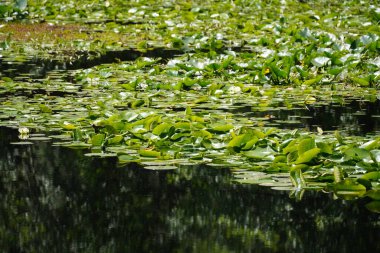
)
(54, 199)
(39, 67)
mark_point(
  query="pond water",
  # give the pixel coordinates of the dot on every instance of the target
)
(54, 199)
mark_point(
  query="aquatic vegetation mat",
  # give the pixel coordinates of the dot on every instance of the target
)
(222, 84)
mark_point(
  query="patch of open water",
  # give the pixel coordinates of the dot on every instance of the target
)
(54, 199)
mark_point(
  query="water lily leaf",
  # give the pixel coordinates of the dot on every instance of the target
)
(277, 71)
(68, 126)
(373, 194)
(117, 139)
(290, 146)
(160, 167)
(339, 137)
(297, 178)
(77, 145)
(313, 81)
(373, 206)
(45, 108)
(325, 147)
(357, 153)
(195, 118)
(162, 129)
(221, 128)
(335, 71)
(308, 156)
(188, 111)
(149, 153)
(98, 139)
(259, 134)
(239, 140)
(372, 144)
(305, 145)
(260, 153)
(292, 157)
(182, 126)
(250, 143)
(360, 81)
(137, 103)
(372, 176)
(349, 187)
(125, 158)
(22, 143)
(302, 72)
(39, 138)
(129, 116)
(151, 122)
(101, 155)
(21, 4)
(320, 61)
(178, 136)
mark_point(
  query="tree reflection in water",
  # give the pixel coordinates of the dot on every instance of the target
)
(54, 199)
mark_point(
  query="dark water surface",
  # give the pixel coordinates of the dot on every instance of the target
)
(54, 199)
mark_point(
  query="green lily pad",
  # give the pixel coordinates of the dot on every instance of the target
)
(307, 156)
(101, 155)
(149, 153)
(160, 167)
(373, 206)
(349, 187)
(22, 143)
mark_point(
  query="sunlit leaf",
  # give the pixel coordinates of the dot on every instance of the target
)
(149, 153)
(97, 139)
(307, 156)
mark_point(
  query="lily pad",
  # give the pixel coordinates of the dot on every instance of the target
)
(22, 143)
(160, 167)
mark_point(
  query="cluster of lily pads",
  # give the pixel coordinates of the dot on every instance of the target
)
(186, 109)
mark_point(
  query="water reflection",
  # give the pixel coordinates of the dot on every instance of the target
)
(355, 117)
(56, 200)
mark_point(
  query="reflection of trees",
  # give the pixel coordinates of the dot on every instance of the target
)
(355, 117)
(54, 199)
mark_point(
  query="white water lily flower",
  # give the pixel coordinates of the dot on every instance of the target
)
(234, 90)
(23, 130)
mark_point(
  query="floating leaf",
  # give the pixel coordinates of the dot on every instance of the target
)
(260, 153)
(149, 153)
(357, 153)
(372, 144)
(308, 156)
(297, 178)
(45, 108)
(313, 81)
(101, 155)
(373, 206)
(320, 61)
(21, 4)
(349, 187)
(221, 127)
(160, 167)
(373, 194)
(325, 148)
(239, 140)
(360, 81)
(97, 139)
(372, 176)
(22, 143)
(305, 145)
(162, 129)
(68, 126)
(125, 158)
(117, 139)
